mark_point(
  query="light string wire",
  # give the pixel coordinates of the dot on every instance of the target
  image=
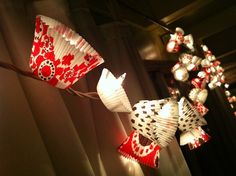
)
(8, 66)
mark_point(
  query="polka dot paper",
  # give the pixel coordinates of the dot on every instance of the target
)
(156, 119)
(189, 117)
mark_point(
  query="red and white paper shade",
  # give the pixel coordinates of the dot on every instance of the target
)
(200, 108)
(194, 138)
(178, 38)
(189, 117)
(137, 147)
(59, 55)
(189, 61)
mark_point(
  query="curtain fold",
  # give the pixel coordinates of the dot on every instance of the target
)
(50, 113)
(22, 148)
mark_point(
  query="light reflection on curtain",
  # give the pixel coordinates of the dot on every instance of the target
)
(45, 131)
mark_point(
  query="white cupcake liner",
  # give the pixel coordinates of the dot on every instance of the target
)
(112, 93)
(189, 117)
(189, 136)
(156, 119)
(198, 95)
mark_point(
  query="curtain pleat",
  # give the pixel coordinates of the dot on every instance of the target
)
(48, 108)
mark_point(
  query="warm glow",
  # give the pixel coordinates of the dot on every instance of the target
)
(157, 120)
(226, 86)
(198, 95)
(111, 84)
(132, 166)
(181, 74)
(112, 93)
(227, 93)
(166, 111)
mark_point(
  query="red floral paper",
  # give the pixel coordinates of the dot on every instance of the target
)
(59, 69)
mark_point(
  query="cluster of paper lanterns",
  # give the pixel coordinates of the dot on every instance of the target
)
(154, 121)
(61, 57)
(209, 73)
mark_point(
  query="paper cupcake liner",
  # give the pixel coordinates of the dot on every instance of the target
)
(201, 108)
(59, 55)
(198, 95)
(189, 117)
(140, 149)
(156, 119)
(112, 93)
(194, 138)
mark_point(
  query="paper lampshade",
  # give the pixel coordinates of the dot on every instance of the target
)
(59, 55)
(208, 54)
(189, 117)
(201, 108)
(112, 93)
(141, 149)
(157, 120)
(189, 61)
(177, 39)
(172, 46)
(198, 95)
(188, 41)
(194, 138)
(198, 82)
(180, 72)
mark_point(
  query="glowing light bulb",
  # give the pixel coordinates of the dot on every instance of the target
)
(111, 92)
(181, 74)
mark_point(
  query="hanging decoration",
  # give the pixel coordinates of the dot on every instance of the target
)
(112, 93)
(190, 62)
(155, 123)
(209, 73)
(198, 95)
(177, 39)
(189, 117)
(157, 120)
(137, 147)
(231, 98)
(194, 138)
(59, 55)
(190, 120)
(180, 72)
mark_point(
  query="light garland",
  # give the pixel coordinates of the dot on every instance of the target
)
(210, 73)
(61, 57)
